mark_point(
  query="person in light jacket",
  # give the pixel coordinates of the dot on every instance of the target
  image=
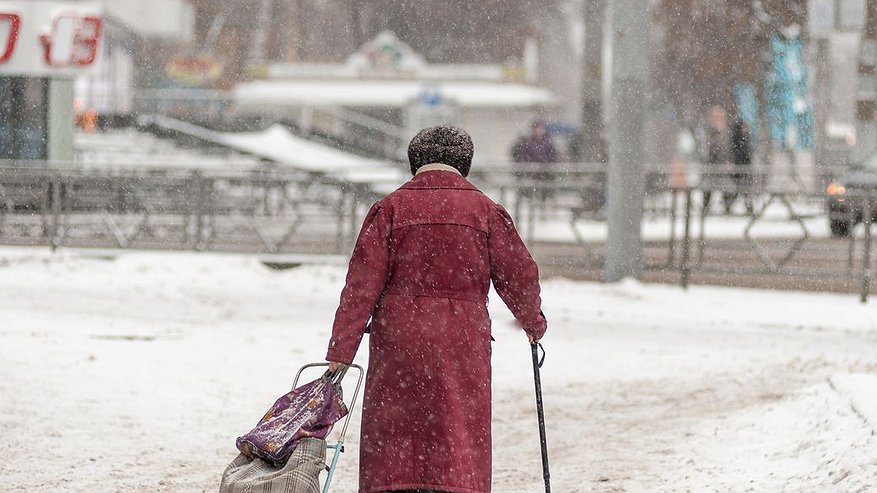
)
(417, 282)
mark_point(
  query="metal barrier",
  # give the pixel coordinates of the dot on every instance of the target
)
(261, 210)
(572, 192)
(277, 210)
(760, 196)
(827, 257)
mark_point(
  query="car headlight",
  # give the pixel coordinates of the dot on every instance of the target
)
(835, 189)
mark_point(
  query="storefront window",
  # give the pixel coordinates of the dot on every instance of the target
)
(23, 118)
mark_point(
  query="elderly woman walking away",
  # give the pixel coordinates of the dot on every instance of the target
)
(418, 282)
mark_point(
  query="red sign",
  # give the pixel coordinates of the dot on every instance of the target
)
(73, 41)
(14, 21)
(49, 38)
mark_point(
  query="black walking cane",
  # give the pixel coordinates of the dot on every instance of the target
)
(537, 363)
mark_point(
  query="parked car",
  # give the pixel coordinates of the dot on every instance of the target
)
(846, 197)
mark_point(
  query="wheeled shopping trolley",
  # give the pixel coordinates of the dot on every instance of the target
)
(337, 447)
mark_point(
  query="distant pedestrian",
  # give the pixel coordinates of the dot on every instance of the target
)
(418, 282)
(741, 155)
(535, 155)
(715, 171)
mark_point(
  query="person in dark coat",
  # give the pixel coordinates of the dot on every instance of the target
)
(534, 154)
(741, 155)
(417, 283)
(715, 174)
(536, 147)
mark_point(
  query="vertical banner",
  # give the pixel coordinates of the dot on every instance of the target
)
(789, 111)
(748, 108)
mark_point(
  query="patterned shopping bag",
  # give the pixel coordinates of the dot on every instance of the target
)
(307, 411)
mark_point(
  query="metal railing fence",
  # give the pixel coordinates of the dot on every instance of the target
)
(266, 210)
(277, 210)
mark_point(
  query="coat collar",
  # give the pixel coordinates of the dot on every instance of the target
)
(437, 167)
(436, 180)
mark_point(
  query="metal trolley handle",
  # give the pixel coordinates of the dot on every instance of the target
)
(336, 379)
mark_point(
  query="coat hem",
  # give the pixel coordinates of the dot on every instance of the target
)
(420, 486)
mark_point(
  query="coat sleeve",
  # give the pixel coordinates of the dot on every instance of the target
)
(366, 278)
(514, 274)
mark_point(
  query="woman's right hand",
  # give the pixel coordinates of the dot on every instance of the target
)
(334, 366)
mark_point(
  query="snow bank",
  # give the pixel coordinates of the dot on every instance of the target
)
(861, 390)
(809, 441)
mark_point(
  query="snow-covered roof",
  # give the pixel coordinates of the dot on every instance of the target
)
(281, 146)
(387, 93)
(129, 148)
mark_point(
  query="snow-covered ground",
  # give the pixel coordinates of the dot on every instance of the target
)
(776, 223)
(658, 229)
(137, 374)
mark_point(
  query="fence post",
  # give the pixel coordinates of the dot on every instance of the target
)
(851, 250)
(354, 207)
(866, 254)
(46, 209)
(686, 241)
(704, 211)
(200, 209)
(517, 209)
(55, 239)
(341, 211)
(674, 199)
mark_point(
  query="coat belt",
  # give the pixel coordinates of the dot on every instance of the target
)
(474, 298)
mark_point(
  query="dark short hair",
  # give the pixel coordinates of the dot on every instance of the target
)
(444, 144)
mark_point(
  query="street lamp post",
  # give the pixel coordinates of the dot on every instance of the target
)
(630, 48)
(592, 78)
(866, 92)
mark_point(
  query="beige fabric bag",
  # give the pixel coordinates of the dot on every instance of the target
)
(301, 474)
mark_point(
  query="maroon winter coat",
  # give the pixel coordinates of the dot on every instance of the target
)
(421, 270)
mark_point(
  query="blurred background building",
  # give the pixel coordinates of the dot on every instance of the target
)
(195, 59)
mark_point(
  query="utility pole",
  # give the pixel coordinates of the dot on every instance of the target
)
(592, 81)
(258, 50)
(292, 31)
(630, 49)
(866, 93)
(822, 98)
